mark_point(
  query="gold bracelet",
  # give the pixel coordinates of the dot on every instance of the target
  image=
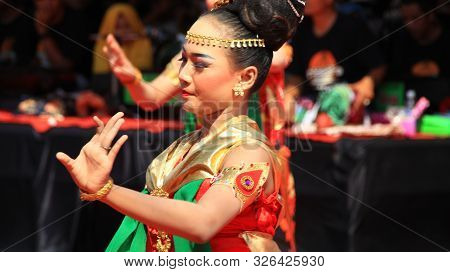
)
(137, 78)
(99, 194)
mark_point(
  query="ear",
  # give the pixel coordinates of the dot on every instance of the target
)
(248, 77)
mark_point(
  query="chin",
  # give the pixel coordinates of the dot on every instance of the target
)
(189, 108)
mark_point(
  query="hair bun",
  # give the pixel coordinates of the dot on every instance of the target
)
(273, 20)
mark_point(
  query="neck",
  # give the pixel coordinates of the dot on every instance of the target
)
(324, 20)
(216, 119)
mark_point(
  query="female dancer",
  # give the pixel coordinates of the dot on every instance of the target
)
(216, 188)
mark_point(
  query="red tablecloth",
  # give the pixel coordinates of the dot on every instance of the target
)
(43, 123)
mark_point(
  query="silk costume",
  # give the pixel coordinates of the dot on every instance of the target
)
(185, 171)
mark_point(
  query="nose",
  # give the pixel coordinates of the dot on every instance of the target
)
(184, 75)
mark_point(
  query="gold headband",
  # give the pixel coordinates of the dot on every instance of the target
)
(231, 43)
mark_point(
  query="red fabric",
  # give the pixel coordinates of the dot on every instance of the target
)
(253, 177)
(274, 83)
(261, 215)
(317, 137)
(152, 237)
(42, 123)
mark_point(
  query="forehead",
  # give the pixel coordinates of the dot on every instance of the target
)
(206, 26)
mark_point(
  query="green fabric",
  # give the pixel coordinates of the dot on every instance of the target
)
(132, 234)
(254, 109)
(188, 193)
(336, 103)
(130, 237)
(390, 93)
(190, 122)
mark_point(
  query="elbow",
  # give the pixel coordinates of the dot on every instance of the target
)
(204, 232)
(200, 238)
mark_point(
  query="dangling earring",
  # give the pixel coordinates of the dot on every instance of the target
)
(238, 90)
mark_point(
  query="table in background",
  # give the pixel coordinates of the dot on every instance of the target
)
(39, 201)
(372, 194)
(406, 180)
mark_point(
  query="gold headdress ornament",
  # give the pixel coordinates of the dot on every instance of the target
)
(225, 43)
(301, 2)
(221, 3)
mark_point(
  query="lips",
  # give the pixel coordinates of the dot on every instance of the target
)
(185, 94)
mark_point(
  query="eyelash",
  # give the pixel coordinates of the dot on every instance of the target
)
(197, 65)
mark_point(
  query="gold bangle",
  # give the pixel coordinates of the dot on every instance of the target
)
(137, 78)
(99, 194)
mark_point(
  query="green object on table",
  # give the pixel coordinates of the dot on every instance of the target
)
(436, 125)
(336, 103)
(390, 93)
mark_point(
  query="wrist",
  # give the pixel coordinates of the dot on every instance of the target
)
(97, 194)
(137, 78)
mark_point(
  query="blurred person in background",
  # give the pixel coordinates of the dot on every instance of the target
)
(166, 23)
(61, 52)
(330, 48)
(17, 37)
(18, 41)
(419, 54)
(421, 50)
(124, 23)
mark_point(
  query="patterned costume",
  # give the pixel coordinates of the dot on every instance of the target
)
(185, 171)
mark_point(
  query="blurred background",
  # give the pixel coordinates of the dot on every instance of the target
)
(371, 178)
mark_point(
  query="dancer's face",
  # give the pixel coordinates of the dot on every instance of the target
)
(207, 73)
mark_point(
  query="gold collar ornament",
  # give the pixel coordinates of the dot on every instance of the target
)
(225, 43)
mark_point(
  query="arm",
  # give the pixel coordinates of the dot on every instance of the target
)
(365, 88)
(196, 222)
(282, 58)
(148, 95)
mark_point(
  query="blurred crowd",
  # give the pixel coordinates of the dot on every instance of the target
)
(51, 57)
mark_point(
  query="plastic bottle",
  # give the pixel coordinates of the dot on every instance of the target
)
(410, 101)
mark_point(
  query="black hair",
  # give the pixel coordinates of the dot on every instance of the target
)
(272, 20)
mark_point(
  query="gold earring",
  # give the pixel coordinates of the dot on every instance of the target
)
(238, 90)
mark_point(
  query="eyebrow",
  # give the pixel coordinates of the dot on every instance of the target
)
(200, 55)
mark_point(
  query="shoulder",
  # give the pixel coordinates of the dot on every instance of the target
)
(247, 153)
(256, 158)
